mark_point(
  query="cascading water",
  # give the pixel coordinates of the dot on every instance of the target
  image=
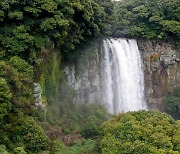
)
(122, 76)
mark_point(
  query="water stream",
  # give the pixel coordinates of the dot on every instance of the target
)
(122, 76)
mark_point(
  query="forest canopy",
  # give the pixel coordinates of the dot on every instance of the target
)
(26, 25)
(151, 19)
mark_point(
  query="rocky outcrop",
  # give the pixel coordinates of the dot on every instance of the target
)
(161, 68)
(38, 96)
(84, 76)
(87, 84)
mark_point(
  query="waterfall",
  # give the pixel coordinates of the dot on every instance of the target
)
(122, 76)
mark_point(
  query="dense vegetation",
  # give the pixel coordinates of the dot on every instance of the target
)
(16, 127)
(35, 32)
(173, 103)
(141, 132)
(25, 26)
(151, 19)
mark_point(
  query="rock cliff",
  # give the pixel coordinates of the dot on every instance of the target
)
(85, 75)
(161, 70)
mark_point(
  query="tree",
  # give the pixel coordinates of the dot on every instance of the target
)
(18, 76)
(26, 25)
(155, 19)
(140, 132)
(16, 104)
(5, 98)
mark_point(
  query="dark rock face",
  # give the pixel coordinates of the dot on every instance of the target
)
(87, 82)
(85, 76)
(161, 68)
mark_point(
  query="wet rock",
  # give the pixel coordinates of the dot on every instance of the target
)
(161, 70)
(37, 96)
(86, 82)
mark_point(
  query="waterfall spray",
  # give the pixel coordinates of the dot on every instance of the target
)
(122, 76)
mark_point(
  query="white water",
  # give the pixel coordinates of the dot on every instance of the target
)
(122, 76)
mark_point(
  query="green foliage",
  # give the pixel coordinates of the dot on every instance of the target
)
(24, 132)
(173, 103)
(17, 74)
(90, 128)
(83, 118)
(39, 114)
(155, 19)
(87, 147)
(93, 116)
(58, 147)
(25, 27)
(49, 71)
(74, 118)
(5, 98)
(62, 103)
(15, 39)
(33, 135)
(19, 150)
(16, 128)
(3, 149)
(140, 132)
(16, 94)
(66, 23)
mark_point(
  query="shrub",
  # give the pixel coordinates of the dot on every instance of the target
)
(5, 98)
(23, 132)
(3, 149)
(18, 75)
(19, 150)
(34, 137)
(84, 119)
(140, 132)
(58, 147)
(172, 105)
(87, 147)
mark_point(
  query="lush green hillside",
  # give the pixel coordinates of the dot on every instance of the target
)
(26, 28)
(30, 27)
